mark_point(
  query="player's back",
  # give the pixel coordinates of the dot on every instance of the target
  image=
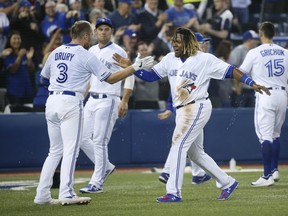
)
(268, 64)
(70, 68)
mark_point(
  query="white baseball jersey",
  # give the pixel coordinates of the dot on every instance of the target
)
(189, 80)
(268, 64)
(69, 68)
(105, 56)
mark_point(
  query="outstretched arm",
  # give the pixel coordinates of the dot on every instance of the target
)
(238, 75)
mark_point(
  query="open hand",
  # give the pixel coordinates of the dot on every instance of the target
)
(260, 89)
(143, 63)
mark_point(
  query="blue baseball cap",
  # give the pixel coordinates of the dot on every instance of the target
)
(25, 3)
(104, 21)
(250, 35)
(130, 33)
(200, 38)
(125, 1)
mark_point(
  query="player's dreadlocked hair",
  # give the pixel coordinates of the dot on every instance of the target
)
(190, 44)
(80, 28)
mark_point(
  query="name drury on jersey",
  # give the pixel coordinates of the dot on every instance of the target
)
(64, 56)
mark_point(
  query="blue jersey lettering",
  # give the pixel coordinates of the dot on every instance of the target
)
(64, 56)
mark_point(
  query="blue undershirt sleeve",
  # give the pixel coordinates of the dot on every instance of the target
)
(244, 79)
(170, 103)
(149, 76)
(44, 81)
(229, 74)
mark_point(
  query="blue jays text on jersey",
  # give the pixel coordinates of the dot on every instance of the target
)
(64, 56)
(183, 73)
(269, 52)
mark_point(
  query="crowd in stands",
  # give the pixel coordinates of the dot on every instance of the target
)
(31, 29)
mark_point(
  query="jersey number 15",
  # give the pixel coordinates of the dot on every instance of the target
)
(275, 67)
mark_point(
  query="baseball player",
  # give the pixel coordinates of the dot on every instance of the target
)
(268, 64)
(189, 71)
(69, 68)
(198, 175)
(103, 108)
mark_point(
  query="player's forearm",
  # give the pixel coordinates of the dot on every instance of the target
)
(120, 75)
(126, 95)
(241, 77)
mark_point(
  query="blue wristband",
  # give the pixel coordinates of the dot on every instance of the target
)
(247, 80)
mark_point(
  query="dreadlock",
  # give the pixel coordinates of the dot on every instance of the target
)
(190, 44)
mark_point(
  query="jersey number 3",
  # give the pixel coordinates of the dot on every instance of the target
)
(63, 76)
(275, 67)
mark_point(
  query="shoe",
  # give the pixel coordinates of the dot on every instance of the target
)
(276, 176)
(75, 200)
(226, 193)
(50, 202)
(262, 182)
(169, 198)
(164, 177)
(200, 179)
(90, 188)
(109, 171)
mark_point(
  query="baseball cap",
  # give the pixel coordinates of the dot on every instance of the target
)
(130, 33)
(200, 38)
(250, 35)
(103, 21)
(25, 3)
(125, 1)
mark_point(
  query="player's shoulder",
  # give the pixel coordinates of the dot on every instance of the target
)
(94, 48)
(118, 49)
(170, 55)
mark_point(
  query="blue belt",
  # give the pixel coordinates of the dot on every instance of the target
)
(62, 93)
(276, 88)
(192, 102)
(98, 96)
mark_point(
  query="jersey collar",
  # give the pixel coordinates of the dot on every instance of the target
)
(107, 45)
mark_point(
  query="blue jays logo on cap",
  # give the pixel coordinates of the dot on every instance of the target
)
(103, 21)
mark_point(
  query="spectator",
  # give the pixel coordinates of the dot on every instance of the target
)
(18, 63)
(137, 7)
(146, 94)
(39, 101)
(87, 6)
(181, 16)
(151, 20)
(53, 20)
(162, 45)
(243, 96)
(75, 9)
(62, 8)
(220, 28)
(100, 5)
(225, 86)
(122, 17)
(130, 40)
(26, 23)
(4, 30)
(241, 11)
(8, 7)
